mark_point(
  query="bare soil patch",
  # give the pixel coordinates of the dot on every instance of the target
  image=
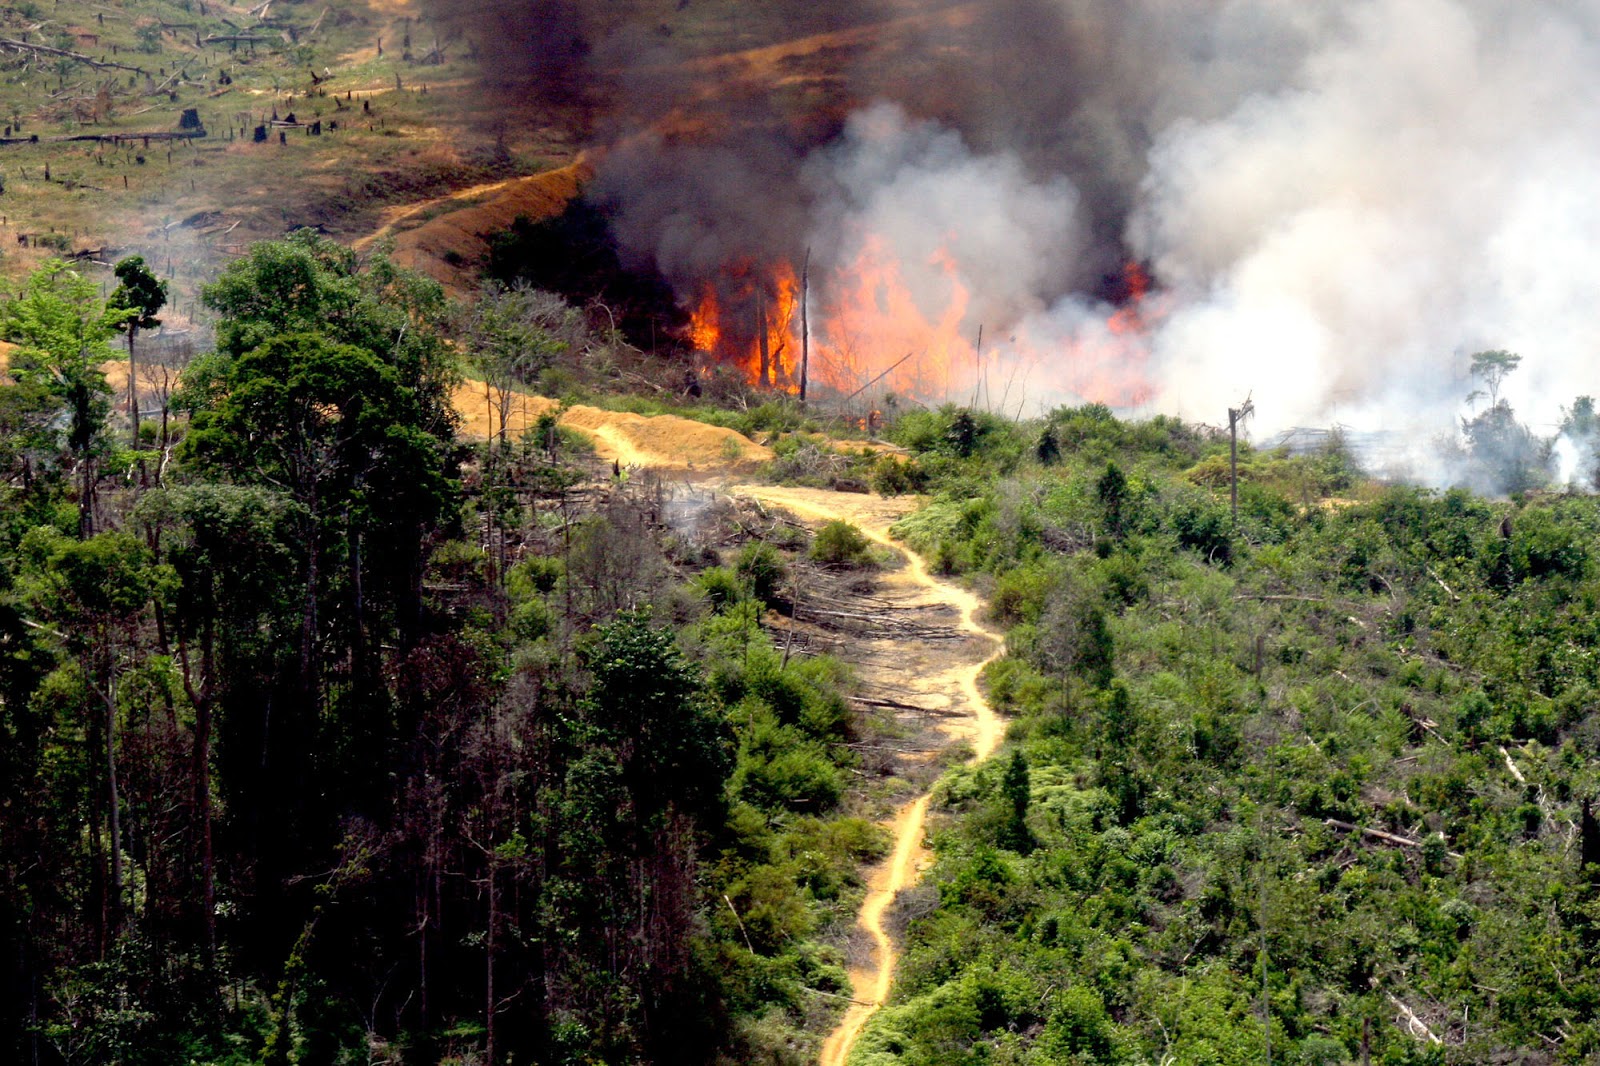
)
(665, 442)
(927, 674)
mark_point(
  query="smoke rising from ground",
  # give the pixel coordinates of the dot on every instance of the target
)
(1338, 200)
(1416, 193)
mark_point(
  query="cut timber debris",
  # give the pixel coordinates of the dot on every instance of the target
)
(1376, 834)
(874, 622)
(1379, 834)
(1413, 1024)
(44, 49)
(1512, 766)
(895, 705)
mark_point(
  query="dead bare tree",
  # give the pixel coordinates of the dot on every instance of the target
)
(1235, 416)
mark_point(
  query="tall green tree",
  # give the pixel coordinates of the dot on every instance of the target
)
(62, 330)
(329, 390)
(333, 426)
(307, 283)
(232, 551)
(138, 296)
(514, 333)
(96, 591)
(643, 783)
(1492, 368)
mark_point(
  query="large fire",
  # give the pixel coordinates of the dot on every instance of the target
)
(869, 329)
(749, 317)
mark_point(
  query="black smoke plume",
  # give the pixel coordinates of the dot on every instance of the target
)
(1338, 201)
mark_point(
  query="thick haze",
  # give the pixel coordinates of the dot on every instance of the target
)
(1338, 200)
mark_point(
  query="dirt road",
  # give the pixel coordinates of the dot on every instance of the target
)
(939, 675)
(969, 719)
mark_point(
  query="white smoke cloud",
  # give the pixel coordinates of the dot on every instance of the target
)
(969, 238)
(1333, 232)
(1420, 189)
(1339, 201)
(945, 214)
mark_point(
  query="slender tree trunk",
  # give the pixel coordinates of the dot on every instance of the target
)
(99, 903)
(1233, 462)
(160, 612)
(358, 643)
(308, 614)
(201, 697)
(113, 804)
(115, 797)
(422, 948)
(805, 325)
(489, 1002)
(133, 388)
(761, 334)
(86, 498)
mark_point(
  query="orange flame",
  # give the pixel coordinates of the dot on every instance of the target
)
(1129, 318)
(870, 327)
(874, 321)
(749, 317)
(704, 333)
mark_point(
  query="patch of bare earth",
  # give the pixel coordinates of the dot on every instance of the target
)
(918, 646)
(447, 238)
(663, 442)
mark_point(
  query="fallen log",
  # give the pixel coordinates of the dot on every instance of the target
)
(44, 49)
(894, 705)
(1414, 1025)
(1516, 773)
(1376, 834)
(1379, 834)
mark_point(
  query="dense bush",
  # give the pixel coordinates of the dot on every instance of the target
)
(839, 543)
(1203, 710)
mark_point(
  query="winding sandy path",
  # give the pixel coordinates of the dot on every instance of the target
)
(661, 442)
(979, 725)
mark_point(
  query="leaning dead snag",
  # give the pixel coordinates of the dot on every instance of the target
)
(1413, 1024)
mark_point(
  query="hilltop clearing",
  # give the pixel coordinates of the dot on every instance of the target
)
(660, 442)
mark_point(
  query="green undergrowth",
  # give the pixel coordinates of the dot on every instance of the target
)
(1274, 788)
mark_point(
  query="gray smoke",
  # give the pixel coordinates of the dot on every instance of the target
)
(1339, 200)
(1417, 191)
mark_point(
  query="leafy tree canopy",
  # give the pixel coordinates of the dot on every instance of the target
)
(333, 427)
(62, 331)
(139, 292)
(307, 283)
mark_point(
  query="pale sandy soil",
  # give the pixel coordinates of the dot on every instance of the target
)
(451, 246)
(926, 675)
(664, 442)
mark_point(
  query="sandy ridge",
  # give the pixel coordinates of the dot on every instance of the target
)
(666, 442)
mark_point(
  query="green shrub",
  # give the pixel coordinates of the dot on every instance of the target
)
(841, 544)
(721, 587)
(894, 476)
(762, 568)
(535, 575)
(1204, 527)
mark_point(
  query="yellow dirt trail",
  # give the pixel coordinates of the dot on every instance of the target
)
(979, 725)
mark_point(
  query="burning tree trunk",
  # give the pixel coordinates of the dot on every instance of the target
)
(761, 336)
(805, 325)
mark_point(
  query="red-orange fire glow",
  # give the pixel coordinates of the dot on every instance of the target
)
(749, 318)
(704, 333)
(874, 324)
(1129, 318)
(868, 327)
